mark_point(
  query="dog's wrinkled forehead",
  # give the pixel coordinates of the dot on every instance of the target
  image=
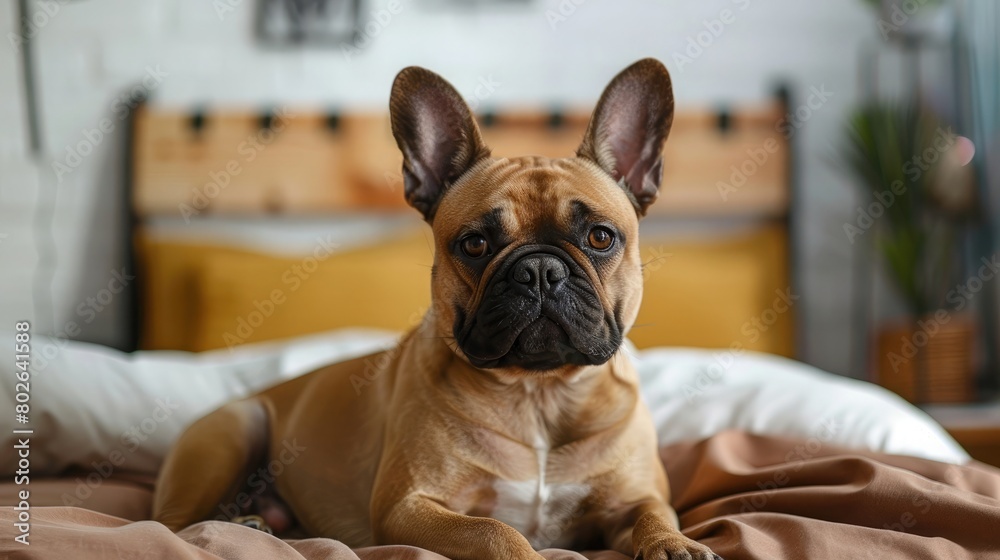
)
(533, 199)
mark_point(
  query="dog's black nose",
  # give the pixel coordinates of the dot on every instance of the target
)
(540, 273)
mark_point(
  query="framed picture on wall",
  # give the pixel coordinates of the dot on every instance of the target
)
(307, 22)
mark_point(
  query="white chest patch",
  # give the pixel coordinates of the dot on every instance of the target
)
(541, 511)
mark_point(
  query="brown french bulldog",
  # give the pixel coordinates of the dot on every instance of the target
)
(509, 420)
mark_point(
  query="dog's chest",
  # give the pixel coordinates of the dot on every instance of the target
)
(542, 509)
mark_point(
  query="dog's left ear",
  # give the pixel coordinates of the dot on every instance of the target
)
(626, 133)
(437, 134)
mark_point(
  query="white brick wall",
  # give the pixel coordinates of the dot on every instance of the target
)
(18, 256)
(91, 51)
(13, 141)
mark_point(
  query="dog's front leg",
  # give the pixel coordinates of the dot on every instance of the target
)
(420, 521)
(649, 530)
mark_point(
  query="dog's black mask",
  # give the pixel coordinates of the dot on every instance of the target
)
(538, 312)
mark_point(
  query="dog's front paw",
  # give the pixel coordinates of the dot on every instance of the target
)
(254, 522)
(675, 547)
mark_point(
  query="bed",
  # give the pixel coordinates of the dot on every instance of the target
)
(767, 457)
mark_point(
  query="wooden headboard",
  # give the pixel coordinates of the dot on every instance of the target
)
(726, 173)
(285, 163)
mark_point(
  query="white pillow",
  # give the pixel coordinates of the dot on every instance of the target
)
(92, 405)
(694, 394)
(101, 409)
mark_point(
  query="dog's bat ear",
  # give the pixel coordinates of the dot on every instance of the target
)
(628, 128)
(437, 134)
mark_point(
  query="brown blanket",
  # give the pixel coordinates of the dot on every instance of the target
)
(745, 496)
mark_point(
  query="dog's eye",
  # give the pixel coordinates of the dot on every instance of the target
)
(601, 238)
(474, 246)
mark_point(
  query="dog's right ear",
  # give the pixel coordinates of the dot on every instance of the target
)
(629, 126)
(437, 134)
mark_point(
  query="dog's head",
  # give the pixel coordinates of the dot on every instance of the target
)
(536, 263)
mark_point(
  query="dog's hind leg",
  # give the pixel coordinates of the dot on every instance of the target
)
(209, 464)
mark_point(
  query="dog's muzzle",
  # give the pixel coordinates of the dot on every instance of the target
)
(539, 312)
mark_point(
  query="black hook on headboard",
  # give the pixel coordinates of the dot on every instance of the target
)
(332, 121)
(783, 92)
(266, 121)
(724, 120)
(197, 121)
(556, 119)
(488, 119)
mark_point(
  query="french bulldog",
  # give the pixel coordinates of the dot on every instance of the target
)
(510, 419)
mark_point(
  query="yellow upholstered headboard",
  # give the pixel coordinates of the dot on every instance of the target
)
(202, 297)
(717, 293)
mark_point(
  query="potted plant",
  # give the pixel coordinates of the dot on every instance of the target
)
(922, 197)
